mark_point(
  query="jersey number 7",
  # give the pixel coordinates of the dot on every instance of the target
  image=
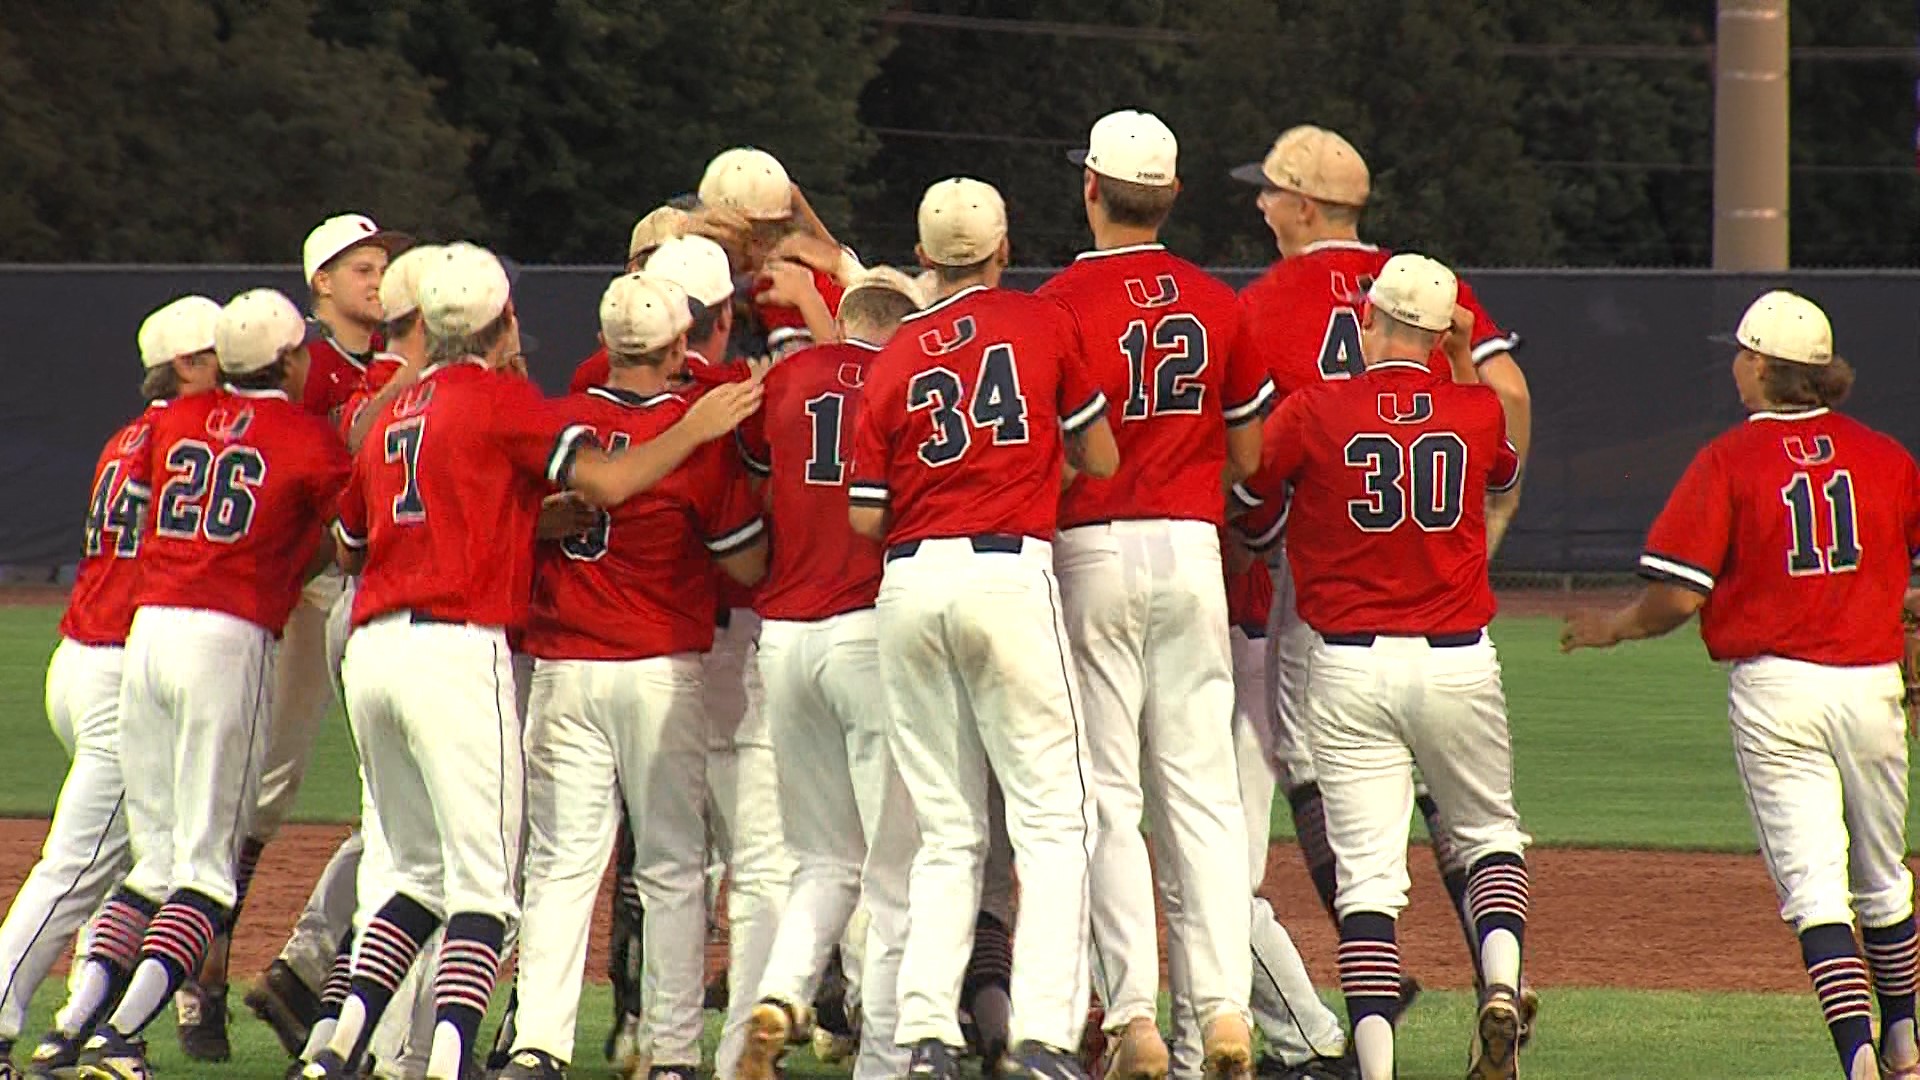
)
(997, 404)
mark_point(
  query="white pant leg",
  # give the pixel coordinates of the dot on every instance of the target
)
(1107, 611)
(147, 734)
(1365, 772)
(1786, 716)
(725, 692)
(210, 676)
(303, 688)
(820, 813)
(1290, 643)
(1457, 730)
(941, 762)
(378, 662)
(86, 852)
(996, 872)
(1190, 761)
(893, 842)
(571, 814)
(1869, 739)
(1009, 645)
(328, 913)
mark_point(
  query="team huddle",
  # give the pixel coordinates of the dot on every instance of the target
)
(902, 601)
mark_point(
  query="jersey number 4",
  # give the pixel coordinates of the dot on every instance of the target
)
(1806, 556)
(997, 404)
(208, 494)
(1425, 481)
(1181, 341)
(114, 512)
(590, 544)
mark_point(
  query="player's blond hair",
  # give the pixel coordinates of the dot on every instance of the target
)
(1141, 206)
(441, 349)
(875, 312)
(1814, 385)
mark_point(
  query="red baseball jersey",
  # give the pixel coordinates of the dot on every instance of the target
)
(1302, 316)
(445, 493)
(820, 566)
(701, 372)
(100, 607)
(638, 582)
(1387, 528)
(241, 482)
(1249, 594)
(782, 316)
(960, 431)
(1801, 530)
(333, 372)
(1163, 338)
(379, 373)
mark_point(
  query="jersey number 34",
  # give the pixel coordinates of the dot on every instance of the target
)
(997, 405)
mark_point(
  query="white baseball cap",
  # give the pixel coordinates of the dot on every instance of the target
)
(180, 327)
(1417, 291)
(462, 289)
(400, 287)
(1314, 162)
(643, 311)
(662, 224)
(255, 329)
(343, 231)
(1786, 326)
(750, 181)
(697, 265)
(962, 221)
(1132, 146)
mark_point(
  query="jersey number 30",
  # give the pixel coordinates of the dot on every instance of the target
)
(997, 404)
(1425, 481)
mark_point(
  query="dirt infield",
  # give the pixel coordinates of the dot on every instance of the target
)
(1600, 918)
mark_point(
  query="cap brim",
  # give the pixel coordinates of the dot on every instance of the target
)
(1251, 173)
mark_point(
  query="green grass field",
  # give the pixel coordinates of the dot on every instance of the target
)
(1627, 749)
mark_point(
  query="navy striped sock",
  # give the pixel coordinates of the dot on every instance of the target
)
(1369, 965)
(177, 940)
(387, 951)
(339, 980)
(243, 870)
(1893, 954)
(1840, 980)
(1453, 874)
(469, 966)
(116, 933)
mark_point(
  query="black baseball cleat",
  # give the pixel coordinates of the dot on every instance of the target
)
(200, 1021)
(1319, 1068)
(533, 1065)
(933, 1060)
(55, 1056)
(672, 1072)
(503, 1037)
(326, 1065)
(1038, 1061)
(286, 1005)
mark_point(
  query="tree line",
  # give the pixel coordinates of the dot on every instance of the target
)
(221, 130)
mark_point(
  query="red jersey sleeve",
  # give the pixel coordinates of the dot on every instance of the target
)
(1246, 388)
(873, 435)
(1264, 525)
(1488, 336)
(1913, 511)
(1282, 452)
(729, 512)
(351, 524)
(1081, 399)
(1688, 543)
(331, 470)
(537, 435)
(592, 372)
(750, 438)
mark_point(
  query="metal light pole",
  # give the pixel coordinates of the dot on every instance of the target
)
(1750, 136)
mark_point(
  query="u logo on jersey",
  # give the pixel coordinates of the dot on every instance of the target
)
(134, 439)
(1351, 292)
(1389, 407)
(852, 376)
(1166, 291)
(1821, 453)
(934, 343)
(229, 424)
(412, 401)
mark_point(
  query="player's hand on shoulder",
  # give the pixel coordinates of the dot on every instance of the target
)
(722, 408)
(758, 366)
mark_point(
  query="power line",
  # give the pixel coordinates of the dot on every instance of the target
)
(1154, 35)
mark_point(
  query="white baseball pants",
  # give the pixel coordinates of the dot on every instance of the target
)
(1146, 611)
(598, 730)
(973, 653)
(1373, 712)
(746, 803)
(1822, 753)
(86, 852)
(1289, 644)
(194, 705)
(303, 687)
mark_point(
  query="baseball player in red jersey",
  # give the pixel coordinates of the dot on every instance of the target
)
(1390, 473)
(343, 259)
(957, 468)
(840, 796)
(1140, 573)
(660, 225)
(620, 618)
(431, 520)
(1793, 536)
(240, 480)
(86, 853)
(754, 184)
(1304, 315)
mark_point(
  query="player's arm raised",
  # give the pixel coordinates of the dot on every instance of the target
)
(611, 479)
(1500, 372)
